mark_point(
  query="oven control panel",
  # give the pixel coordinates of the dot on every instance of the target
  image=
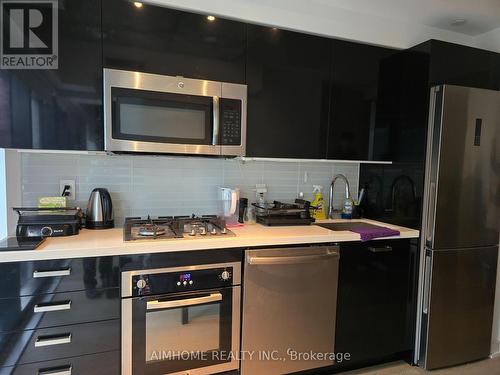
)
(230, 122)
(155, 283)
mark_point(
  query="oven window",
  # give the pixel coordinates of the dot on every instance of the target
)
(150, 116)
(182, 331)
(172, 331)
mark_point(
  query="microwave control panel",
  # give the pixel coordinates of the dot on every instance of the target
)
(230, 122)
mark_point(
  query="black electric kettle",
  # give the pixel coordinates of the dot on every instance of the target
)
(99, 210)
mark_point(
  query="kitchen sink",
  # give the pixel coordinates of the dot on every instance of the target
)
(348, 226)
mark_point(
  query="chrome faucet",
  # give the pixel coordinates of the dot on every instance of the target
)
(332, 186)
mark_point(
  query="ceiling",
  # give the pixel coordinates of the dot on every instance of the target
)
(480, 16)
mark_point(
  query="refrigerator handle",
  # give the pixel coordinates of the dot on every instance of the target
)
(427, 283)
(431, 214)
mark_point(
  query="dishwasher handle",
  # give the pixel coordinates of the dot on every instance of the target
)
(298, 259)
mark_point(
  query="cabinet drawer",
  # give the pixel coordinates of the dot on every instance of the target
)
(61, 342)
(55, 276)
(50, 310)
(95, 364)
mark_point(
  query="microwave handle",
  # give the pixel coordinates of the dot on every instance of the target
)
(215, 130)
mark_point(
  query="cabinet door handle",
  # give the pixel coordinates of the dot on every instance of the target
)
(382, 249)
(52, 340)
(64, 370)
(55, 273)
(66, 305)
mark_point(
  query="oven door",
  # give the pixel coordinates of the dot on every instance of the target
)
(195, 333)
(160, 114)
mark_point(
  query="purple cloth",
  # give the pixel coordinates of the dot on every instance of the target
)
(368, 234)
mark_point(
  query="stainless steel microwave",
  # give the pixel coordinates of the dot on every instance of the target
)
(153, 113)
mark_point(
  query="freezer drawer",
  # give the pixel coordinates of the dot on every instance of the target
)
(458, 306)
(290, 298)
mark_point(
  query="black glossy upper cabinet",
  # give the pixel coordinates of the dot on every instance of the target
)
(288, 77)
(402, 108)
(60, 108)
(455, 64)
(354, 99)
(159, 40)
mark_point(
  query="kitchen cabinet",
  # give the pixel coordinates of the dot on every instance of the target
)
(57, 276)
(288, 76)
(376, 300)
(355, 99)
(160, 40)
(96, 364)
(460, 65)
(58, 313)
(60, 108)
(59, 342)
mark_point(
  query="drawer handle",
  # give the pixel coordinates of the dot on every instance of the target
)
(64, 272)
(383, 249)
(66, 305)
(52, 340)
(65, 370)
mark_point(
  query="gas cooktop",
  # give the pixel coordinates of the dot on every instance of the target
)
(171, 227)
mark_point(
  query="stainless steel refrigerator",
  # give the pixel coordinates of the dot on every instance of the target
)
(461, 219)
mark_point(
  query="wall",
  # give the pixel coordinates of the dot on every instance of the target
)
(320, 17)
(3, 196)
(10, 190)
(489, 40)
(159, 185)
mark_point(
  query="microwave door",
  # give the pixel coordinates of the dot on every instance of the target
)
(160, 114)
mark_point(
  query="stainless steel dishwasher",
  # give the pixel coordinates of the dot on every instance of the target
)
(289, 307)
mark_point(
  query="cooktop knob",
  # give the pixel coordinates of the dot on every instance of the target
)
(193, 232)
(225, 275)
(203, 231)
(223, 231)
(213, 231)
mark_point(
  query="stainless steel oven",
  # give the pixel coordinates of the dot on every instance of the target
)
(182, 320)
(162, 114)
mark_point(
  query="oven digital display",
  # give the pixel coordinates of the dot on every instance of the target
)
(185, 277)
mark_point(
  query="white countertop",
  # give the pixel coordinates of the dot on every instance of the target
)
(92, 243)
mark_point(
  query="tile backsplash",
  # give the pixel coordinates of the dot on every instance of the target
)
(163, 185)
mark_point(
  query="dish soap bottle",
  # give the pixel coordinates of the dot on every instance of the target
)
(318, 202)
(347, 209)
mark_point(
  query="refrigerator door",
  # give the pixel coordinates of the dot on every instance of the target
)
(458, 305)
(463, 185)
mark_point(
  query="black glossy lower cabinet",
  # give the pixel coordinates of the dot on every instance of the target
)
(59, 342)
(58, 309)
(60, 275)
(375, 300)
(96, 364)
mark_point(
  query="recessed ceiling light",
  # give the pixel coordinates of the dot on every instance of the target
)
(211, 18)
(458, 22)
(138, 4)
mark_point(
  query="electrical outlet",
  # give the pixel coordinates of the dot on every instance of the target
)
(71, 192)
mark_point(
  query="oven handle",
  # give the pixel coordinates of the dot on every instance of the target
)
(154, 305)
(215, 133)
